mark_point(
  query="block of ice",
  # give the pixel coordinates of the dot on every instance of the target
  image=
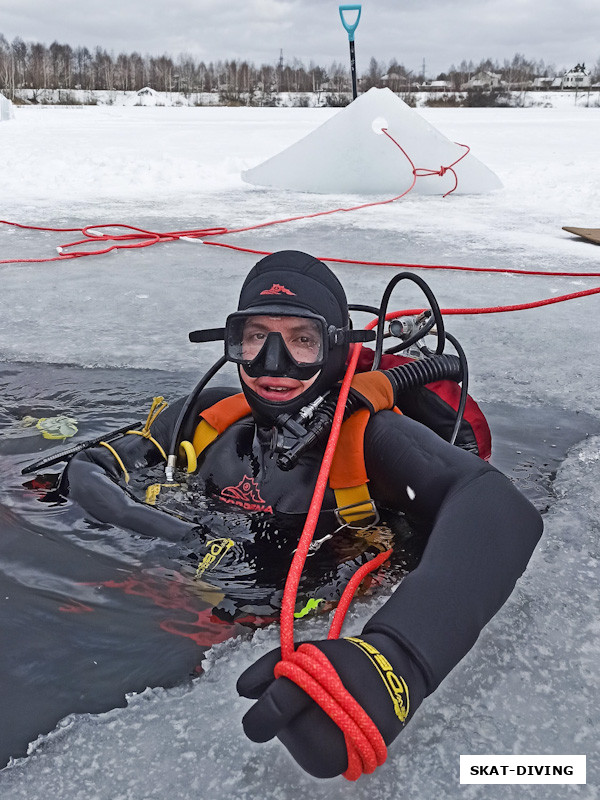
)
(349, 154)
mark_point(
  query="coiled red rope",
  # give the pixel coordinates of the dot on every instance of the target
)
(310, 669)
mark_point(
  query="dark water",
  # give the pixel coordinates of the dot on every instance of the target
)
(90, 612)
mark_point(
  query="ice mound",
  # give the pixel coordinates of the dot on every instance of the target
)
(349, 154)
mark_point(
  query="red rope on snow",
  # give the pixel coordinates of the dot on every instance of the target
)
(144, 238)
(501, 309)
(125, 241)
(409, 265)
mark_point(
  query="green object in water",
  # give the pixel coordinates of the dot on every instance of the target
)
(60, 427)
(310, 606)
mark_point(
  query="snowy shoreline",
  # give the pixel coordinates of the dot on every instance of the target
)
(149, 97)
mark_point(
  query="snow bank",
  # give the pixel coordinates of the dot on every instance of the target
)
(6, 109)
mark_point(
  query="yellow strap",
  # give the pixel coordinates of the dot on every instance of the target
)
(158, 405)
(119, 460)
(203, 436)
(150, 439)
(355, 505)
(153, 491)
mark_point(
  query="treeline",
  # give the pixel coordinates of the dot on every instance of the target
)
(27, 65)
(31, 65)
(518, 71)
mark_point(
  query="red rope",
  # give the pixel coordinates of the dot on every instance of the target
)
(501, 309)
(424, 173)
(301, 554)
(139, 237)
(308, 667)
(409, 265)
(144, 238)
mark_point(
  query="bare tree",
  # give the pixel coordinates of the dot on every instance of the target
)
(373, 76)
(7, 68)
(59, 66)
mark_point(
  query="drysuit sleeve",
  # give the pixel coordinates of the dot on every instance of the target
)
(95, 479)
(482, 534)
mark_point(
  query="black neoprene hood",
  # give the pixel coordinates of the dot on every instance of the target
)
(301, 283)
(298, 280)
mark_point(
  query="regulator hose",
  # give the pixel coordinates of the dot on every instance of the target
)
(190, 400)
(426, 370)
(438, 320)
(403, 378)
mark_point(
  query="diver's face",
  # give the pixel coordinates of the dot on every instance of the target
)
(302, 339)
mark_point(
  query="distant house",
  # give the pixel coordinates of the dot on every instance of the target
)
(576, 78)
(543, 83)
(394, 81)
(326, 86)
(436, 86)
(483, 80)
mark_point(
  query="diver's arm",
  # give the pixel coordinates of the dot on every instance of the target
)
(94, 484)
(95, 478)
(483, 532)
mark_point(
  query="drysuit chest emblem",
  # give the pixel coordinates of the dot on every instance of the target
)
(245, 494)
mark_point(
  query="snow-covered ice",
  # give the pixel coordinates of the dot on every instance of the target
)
(530, 684)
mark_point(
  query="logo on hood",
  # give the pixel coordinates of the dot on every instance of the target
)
(247, 495)
(277, 288)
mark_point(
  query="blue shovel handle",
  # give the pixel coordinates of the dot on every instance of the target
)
(350, 28)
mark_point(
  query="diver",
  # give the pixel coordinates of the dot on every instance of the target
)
(290, 338)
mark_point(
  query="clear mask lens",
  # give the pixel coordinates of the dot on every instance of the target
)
(302, 337)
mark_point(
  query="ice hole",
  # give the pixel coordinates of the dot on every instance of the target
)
(378, 124)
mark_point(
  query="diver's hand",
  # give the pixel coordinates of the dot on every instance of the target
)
(376, 671)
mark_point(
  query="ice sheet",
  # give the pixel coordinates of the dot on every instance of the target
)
(529, 684)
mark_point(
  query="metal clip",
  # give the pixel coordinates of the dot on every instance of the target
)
(362, 526)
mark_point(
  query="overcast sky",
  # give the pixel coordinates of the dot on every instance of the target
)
(443, 32)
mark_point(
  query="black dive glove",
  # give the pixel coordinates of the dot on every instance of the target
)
(376, 671)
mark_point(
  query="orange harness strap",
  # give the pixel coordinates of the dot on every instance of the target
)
(226, 412)
(216, 419)
(348, 477)
(348, 465)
